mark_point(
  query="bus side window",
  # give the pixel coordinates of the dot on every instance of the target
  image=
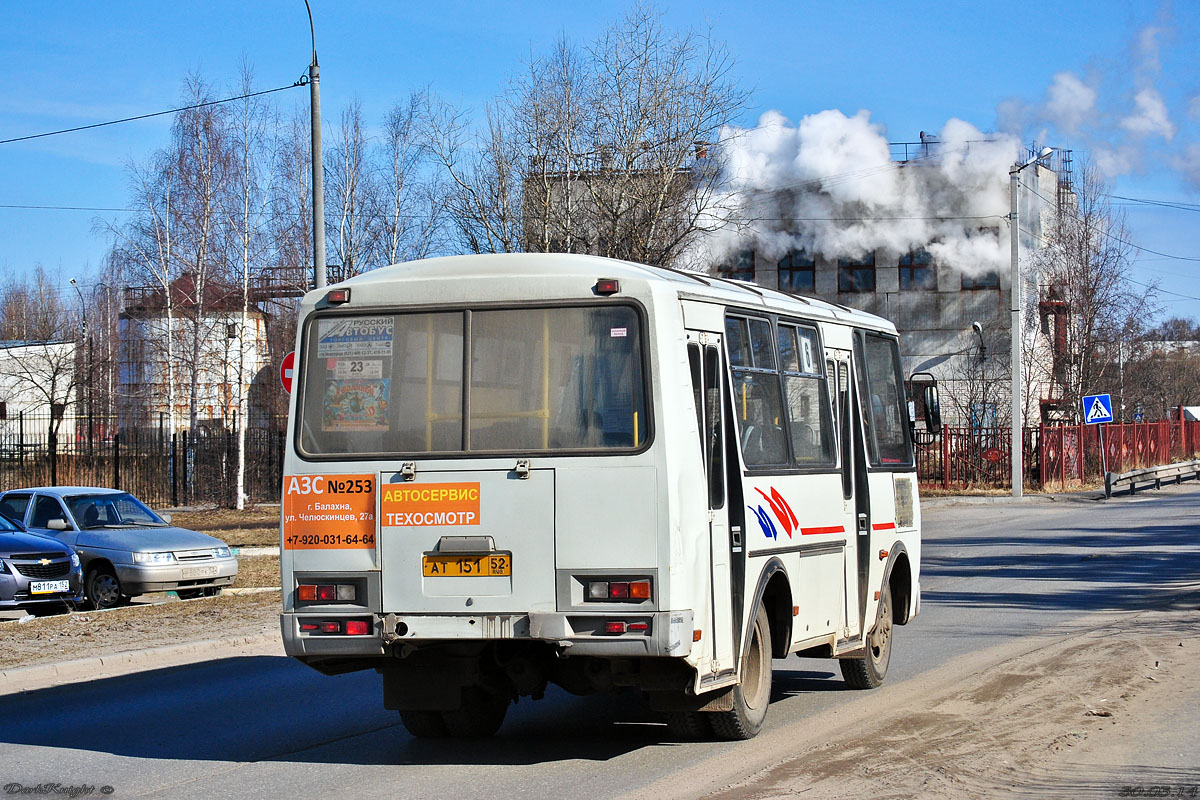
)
(697, 389)
(757, 393)
(712, 427)
(845, 421)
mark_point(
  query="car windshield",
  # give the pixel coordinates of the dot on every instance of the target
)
(111, 511)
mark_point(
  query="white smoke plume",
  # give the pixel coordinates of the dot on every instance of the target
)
(829, 185)
(1121, 113)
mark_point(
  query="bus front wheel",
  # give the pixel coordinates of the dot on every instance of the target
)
(870, 670)
(752, 695)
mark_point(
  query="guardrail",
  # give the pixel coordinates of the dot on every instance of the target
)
(1180, 471)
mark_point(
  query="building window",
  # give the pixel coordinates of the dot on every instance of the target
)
(917, 271)
(857, 275)
(797, 272)
(986, 280)
(739, 267)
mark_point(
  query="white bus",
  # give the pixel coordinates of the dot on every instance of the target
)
(505, 471)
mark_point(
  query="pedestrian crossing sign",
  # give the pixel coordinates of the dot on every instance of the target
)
(1097, 408)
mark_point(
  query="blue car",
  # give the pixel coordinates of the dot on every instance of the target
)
(38, 574)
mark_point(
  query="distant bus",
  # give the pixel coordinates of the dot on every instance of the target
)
(506, 471)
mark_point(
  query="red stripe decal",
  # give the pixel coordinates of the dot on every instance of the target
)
(883, 526)
(829, 529)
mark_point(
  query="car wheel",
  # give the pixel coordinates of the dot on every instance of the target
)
(102, 589)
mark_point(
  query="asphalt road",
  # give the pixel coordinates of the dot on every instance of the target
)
(260, 727)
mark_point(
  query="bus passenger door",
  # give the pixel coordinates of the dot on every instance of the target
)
(853, 489)
(724, 539)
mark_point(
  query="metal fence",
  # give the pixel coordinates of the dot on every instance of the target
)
(1055, 456)
(161, 468)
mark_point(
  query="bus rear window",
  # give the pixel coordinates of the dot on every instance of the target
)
(529, 379)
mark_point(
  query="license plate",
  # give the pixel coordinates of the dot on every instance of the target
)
(467, 566)
(199, 572)
(49, 587)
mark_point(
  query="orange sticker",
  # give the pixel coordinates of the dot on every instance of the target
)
(418, 504)
(333, 512)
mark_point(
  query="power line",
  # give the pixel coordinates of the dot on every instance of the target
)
(1160, 203)
(205, 104)
(63, 208)
(1116, 238)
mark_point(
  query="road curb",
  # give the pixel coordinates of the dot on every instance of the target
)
(43, 676)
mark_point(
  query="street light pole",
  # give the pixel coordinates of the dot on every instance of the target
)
(318, 170)
(1018, 422)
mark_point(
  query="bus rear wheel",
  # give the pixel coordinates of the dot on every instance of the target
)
(425, 724)
(479, 717)
(870, 670)
(752, 695)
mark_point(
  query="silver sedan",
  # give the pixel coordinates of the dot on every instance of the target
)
(126, 548)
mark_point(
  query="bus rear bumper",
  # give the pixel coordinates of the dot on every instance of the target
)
(665, 633)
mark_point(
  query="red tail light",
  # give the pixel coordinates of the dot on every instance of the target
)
(357, 627)
(327, 593)
(331, 627)
(618, 589)
(615, 627)
(309, 626)
(639, 627)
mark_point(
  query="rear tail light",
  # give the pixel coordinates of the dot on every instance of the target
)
(639, 627)
(621, 591)
(613, 626)
(336, 627)
(327, 593)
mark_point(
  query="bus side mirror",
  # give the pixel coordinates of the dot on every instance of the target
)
(933, 409)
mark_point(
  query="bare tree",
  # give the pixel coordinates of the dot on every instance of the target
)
(39, 354)
(1084, 269)
(484, 199)
(409, 202)
(350, 188)
(254, 139)
(143, 254)
(600, 150)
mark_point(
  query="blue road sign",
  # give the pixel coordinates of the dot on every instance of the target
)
(1097, 408)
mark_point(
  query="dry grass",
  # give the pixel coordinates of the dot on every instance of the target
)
(257, 571)
(255, 527)
(137, 627)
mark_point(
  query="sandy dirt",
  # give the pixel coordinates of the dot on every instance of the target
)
(137, 627)
(1075, 711)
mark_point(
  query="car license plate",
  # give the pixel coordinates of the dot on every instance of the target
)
(49, 587)
(199, 572)
(467, 566)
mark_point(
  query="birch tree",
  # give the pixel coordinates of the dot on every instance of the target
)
(253, 141)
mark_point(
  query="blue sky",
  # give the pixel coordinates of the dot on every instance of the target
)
(914, 66)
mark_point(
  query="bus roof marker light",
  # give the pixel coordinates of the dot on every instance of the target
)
(607, 286)
(337, 297)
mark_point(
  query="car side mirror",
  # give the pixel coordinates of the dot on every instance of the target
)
(165, 518)
(933, 409)
(58, 525)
